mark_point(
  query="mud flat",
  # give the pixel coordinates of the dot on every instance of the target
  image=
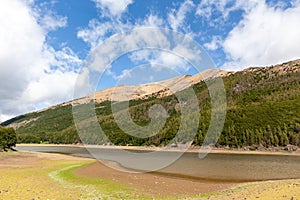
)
(154, 184)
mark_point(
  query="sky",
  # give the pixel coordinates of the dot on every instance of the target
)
(46, 45)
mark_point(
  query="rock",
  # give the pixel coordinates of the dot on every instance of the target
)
(291, 148)
(4, 191)
(173, 145)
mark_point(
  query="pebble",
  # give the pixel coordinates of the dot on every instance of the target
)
(4, 191)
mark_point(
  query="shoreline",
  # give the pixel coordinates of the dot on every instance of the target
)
(174, 149)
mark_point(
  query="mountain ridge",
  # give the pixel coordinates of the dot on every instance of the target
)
(144, 91)
(263, 109)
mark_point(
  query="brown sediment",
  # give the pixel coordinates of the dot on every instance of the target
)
(29, 159)
(18, 161)
(153, 184)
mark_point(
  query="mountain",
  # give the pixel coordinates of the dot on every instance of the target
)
(144, 91)
(263, 110)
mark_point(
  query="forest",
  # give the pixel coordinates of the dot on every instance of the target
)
(263, 110)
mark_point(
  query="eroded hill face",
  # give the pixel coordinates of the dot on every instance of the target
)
(281, 69)
(145, 91)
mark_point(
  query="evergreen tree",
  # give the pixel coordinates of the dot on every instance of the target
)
(8, 138)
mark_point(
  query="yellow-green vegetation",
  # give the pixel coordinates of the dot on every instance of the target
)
(26, 176)
(93, 188)
(22, 180)
(270, 190)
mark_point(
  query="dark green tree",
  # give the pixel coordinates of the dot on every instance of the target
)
(8, 138)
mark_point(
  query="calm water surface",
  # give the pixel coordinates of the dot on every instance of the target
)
(217, 167)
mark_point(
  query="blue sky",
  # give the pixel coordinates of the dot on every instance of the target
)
(44, 43)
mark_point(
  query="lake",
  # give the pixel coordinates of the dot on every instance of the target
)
(216, 167)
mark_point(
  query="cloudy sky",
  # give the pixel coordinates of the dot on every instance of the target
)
(44, 43)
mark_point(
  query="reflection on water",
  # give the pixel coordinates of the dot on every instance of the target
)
(222, 167)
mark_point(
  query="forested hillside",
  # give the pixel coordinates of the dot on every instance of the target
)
(263, 109)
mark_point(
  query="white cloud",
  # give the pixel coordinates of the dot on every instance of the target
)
(152, 21)
(52, 21)
(96, 32)
(63, 60)
(216, 12)
(176, 18)
(265, 36)
(207, 7)
(49, 88)
(32, 74)
(172, 55)
(114, 7)
(160, 59)
(126, 73)
(46, 17)
(214, 44)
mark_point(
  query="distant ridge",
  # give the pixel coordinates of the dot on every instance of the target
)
(144, 91)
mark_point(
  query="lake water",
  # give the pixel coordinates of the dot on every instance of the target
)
(216, 167)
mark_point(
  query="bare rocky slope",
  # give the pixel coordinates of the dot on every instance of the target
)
(144, 91)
